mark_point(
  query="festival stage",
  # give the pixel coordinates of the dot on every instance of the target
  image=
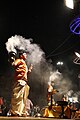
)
(31, 118)
(62, 111)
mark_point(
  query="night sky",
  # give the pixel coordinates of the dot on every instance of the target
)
(47, 23)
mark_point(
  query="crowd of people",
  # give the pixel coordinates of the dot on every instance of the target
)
(20, 104)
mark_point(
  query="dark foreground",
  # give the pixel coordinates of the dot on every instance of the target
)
(31, 118)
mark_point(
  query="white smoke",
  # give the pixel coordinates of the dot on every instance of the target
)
(55, 75)
(17, 42)
(61, 83)
(42, 72)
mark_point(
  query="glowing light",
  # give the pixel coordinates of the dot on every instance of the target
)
(75, 26)
(77, 54)
(69, 4)
(59, 63)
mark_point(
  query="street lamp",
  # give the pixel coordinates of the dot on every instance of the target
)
(69, 4)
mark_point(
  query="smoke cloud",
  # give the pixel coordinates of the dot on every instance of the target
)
(43, 72)
(17, 42)
(41, 69)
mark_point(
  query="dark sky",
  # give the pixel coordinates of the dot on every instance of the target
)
(46, 22)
